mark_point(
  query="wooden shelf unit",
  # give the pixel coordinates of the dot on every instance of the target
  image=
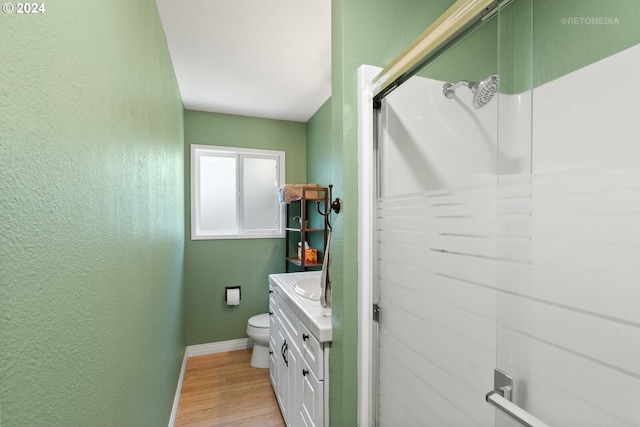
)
(313, 198)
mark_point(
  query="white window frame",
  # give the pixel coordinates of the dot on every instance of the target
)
(239, 153)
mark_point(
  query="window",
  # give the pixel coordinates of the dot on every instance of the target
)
(234, 193)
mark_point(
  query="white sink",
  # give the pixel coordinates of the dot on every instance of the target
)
(308, 288)
(311, 313)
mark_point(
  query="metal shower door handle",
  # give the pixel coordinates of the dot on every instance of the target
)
(500, 397)
(513, 410)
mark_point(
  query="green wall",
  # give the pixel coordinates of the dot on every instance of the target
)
(571, 34)
(91, 217)
(539, 41)
(319, 145)
(542, 40)
(210, 265)
(472, 58)
(319, 160)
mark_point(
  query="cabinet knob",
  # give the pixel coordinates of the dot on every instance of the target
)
(271, 313)
(270, 291)
(270, 352)
(305, 372)
(305, 337)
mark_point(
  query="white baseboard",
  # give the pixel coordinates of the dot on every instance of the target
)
(203, 350)
(219, 347)
(176, 399)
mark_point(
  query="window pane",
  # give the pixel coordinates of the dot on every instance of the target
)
(260, 179)
(218, 189)
(234, 193)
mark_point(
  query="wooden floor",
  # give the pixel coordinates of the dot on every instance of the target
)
(224, 390)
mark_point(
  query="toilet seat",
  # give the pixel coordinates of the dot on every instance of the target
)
(260, 321)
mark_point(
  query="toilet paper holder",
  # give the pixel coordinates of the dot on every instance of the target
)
(226, 292)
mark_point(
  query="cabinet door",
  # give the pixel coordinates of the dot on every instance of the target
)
(273, 346)
(281, 371)
(312, 351)
(288, 321)
(293, 383)
(311, 409)
(273, 359)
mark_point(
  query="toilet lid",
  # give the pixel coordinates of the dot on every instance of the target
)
(260, 320)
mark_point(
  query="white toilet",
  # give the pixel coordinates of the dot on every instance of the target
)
(258, 331)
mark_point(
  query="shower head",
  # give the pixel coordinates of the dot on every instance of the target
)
(483, 91)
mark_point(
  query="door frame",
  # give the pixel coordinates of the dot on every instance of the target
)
(367, 387)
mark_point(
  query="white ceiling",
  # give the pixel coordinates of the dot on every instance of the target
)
(259, 58)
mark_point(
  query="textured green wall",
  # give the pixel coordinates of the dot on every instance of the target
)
(210, 265)
(91, 217)
(542, 40)
(319, 159)
(472, 58)
(363, 32)
(571, 34)
(539, 41)
(319, 145)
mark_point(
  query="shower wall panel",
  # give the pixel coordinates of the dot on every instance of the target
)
(430, 142)
(569, 245)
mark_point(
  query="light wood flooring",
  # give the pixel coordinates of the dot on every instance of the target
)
(224, 390)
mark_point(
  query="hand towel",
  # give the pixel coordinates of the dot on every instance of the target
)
(325, 277)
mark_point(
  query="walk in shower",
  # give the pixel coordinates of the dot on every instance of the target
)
(505, 224)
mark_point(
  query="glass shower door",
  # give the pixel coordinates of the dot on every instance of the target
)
(436, 243)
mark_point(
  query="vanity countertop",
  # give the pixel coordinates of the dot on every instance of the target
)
(316, 318)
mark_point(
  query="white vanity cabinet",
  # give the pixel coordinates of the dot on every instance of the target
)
(298, 364)
(312, 393)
